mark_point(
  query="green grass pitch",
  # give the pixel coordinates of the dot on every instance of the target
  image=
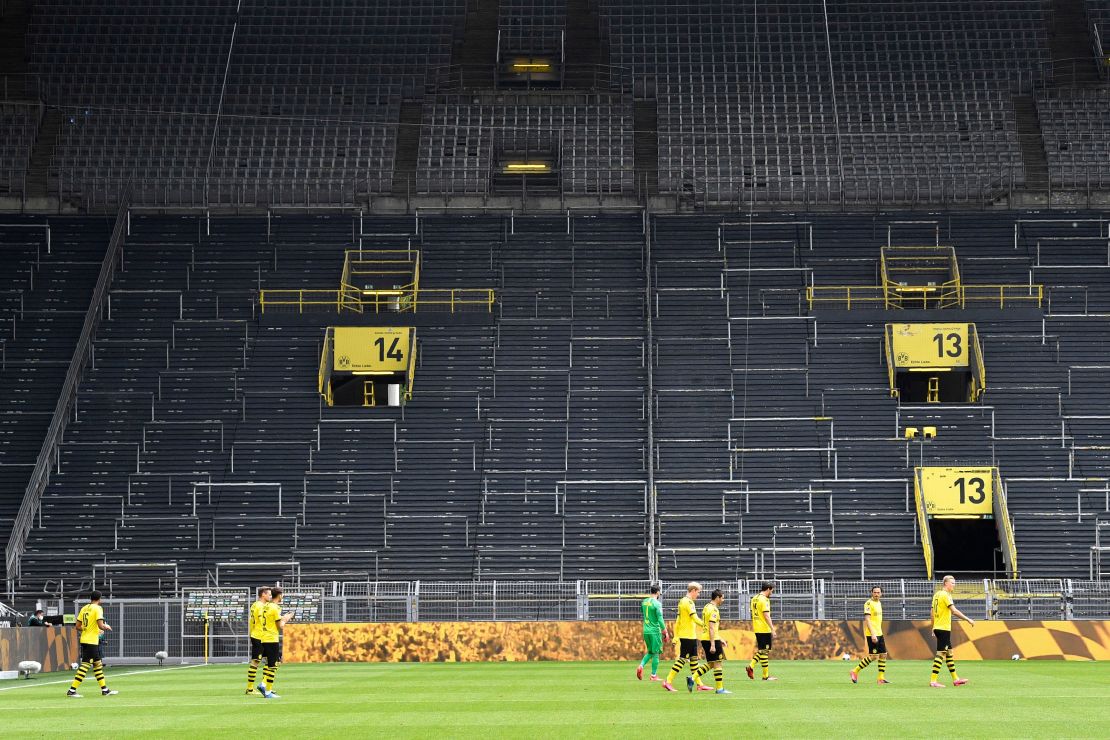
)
(346, 701)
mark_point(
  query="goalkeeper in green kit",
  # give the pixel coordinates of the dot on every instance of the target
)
(655, 634)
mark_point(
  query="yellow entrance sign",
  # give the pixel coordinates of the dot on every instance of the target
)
(371, 349)
(957, 492)
(933, 346)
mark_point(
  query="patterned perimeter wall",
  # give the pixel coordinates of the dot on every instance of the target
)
(519, 641)
(54, 647)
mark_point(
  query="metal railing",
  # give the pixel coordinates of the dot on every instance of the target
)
(874, 296)
(143, 626)
(428, 299)
(67, 396)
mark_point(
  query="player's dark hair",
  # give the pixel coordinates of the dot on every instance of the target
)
(264, 589)
(275, 591)
(767, 586)
(716, 594)
(876, 587)
(38, 611)
(654, 589)
(94, 596)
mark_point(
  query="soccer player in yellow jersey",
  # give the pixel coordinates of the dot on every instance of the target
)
(765, 632)
(686, 635)
(874, 642)
(712, 644)
(943, 611)
(256, 621)
(90, 621)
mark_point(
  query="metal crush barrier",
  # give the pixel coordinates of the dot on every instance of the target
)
(175, 625)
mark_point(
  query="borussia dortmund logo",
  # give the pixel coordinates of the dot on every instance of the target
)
(903, 356)
(344, 361)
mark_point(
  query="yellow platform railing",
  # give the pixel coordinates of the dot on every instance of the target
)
(402, 300)
(874, 296)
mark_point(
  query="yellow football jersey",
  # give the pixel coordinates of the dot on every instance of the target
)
(710, 615)
(687, 623)
(88, 622)
(761, 610)
(264, 621)
(942, 610)
(873, 624)
(256, 619)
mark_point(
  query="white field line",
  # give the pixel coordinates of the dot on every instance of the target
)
(30, 685)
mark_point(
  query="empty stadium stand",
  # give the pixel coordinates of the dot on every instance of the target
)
(585, 426)
(691, 225)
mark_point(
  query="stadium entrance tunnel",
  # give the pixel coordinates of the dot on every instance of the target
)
(941, 387)
(966, 546)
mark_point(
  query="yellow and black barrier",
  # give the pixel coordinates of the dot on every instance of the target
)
(465, 642)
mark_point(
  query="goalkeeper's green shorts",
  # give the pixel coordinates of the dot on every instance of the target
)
(654, 642)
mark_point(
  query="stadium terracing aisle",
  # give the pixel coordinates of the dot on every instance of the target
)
(537, 444)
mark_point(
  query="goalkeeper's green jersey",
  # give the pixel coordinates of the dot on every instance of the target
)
(653, 616)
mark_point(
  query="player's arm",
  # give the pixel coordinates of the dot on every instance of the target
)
(287, 617)
(870, 626)
(770, 622)
(713, 636)
(657, 619)
(960, 615)
(694, 616)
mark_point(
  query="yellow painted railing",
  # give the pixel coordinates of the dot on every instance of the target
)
(301, 298)
(923, 523)
(1005, 530)
(979, 377)
(402, 300)
(323, 379)
(874, 296)
(888, 348)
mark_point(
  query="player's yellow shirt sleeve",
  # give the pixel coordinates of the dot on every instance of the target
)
(88, 619)
(873, 622)
(268, 624)
(710, 615)
(685, 626)
(256, 620)
(761, 609)
(942, 611)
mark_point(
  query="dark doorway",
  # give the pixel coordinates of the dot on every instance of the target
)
(966, 546)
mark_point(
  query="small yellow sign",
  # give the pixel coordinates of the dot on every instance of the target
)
(957, 492)
(371, 349)
(934, 346)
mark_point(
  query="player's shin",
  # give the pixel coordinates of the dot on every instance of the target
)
(676, 669)
(82, 671)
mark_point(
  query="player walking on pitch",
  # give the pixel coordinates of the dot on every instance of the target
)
(712, 644)
(764, 630)
(266, 621)
(256, 620)
(874, 642)
(90, 620)
(686, 634)
(943, 611)
(655, 634)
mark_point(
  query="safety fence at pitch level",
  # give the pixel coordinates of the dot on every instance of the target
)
(212, 621)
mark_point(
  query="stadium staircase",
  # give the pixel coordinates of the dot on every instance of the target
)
(1070, 43)
(44, 294)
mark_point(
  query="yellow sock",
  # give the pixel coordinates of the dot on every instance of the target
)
(936, 667)
(765, 661)
(676, 669)
(719, 678)
(882, 668)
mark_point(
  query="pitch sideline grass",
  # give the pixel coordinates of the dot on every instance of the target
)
(811, 699)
